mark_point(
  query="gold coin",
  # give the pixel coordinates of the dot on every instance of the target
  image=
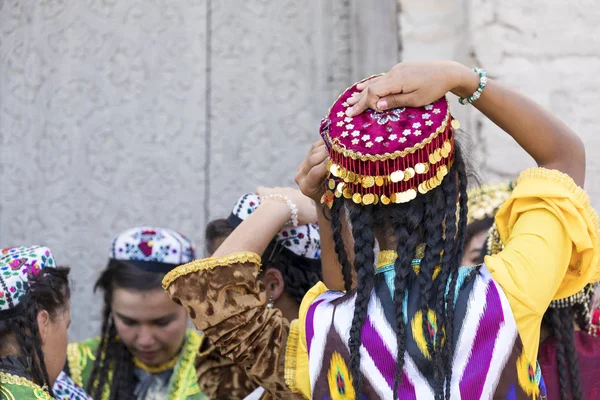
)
(400, 198)
(343, 173)
(438, 155)
(368, 181)
(455, 124)
(351, 177)
(447, 146)
(379, 180)
(385, 200)
(396, 176)
(329, 165)
(347, 193)
(411, 171)
(426, 167)
(376, 199)
(340, 186)
(444, 152)
(394, 197)
(331, 184)
(439, 175)
(334, 170)
(338, 194)
(432, 160)
(422, 188)
(444, 170)
(368, 199)
(357, 198)
(412, 194)
(420, 168)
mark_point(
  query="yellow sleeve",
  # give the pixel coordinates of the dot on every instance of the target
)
(297, 375)
(550, 236)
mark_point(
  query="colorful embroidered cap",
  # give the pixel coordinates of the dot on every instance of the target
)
(17, 266)
(304, 240)
(484, 201)
(390, 156)
(152, 249)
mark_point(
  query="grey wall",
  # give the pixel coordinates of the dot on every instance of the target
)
(162, 112)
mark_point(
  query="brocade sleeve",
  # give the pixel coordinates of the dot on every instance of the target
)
(226, 301)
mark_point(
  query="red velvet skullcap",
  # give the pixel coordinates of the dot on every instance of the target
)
(390, 156)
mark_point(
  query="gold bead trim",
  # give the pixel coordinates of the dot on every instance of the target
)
(159, 368)
(342, 189)
(484, 201)
(386, 257)
(210, 263)
(38, 391)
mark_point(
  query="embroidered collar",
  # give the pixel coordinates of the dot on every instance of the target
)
(170, 364)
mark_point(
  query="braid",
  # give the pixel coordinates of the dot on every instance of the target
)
(557, 332)
(408, 235)
(338, 240)
(35, 348)
(364, 263)
(433, 222)
(567, 316)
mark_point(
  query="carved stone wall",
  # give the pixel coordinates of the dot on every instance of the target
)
(162, 112)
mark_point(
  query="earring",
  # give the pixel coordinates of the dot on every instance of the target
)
(270, 302)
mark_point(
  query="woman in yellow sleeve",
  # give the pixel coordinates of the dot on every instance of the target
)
(411, 323)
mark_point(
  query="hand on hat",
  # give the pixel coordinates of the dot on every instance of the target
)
(307, 212)
(313, 171)
(407, 85)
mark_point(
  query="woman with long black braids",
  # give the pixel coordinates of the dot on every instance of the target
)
(569, 354)
(34, 317)
(412, 323)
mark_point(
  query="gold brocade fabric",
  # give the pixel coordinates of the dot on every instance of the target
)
(228, 305)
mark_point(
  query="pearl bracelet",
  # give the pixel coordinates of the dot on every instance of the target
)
(294, 217)
(475, 96)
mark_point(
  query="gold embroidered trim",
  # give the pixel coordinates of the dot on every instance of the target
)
(210, 263)
(159, 368)
(10, 379)
(291, 354)
(184, 374)
(484, 201)
(569, 184)
(73, 358)
(386, 257)
(357, 155)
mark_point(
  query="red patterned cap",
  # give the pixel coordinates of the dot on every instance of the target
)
(388, 156)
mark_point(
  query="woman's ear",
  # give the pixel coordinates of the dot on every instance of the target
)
(43, 322)
(274, 283)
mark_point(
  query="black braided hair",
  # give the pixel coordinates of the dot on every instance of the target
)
(299, 273)
(336, 227)
(112, 355)
(48, 291)
(559, 322)
(420, 221)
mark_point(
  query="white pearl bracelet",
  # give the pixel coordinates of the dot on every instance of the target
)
(294, 217)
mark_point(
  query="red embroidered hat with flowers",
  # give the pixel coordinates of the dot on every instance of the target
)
(387, 157)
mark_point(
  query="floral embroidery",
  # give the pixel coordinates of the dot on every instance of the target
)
(348, 119)
(379, 139)
(426, 116)
(393, 136)
(429, 122)
(419, 334)
(418, 133)
(340, 123)
(416, 125)
(340, 114)
(355, 141)
(369, 144)
(356, 133)
(429, 107)
(340, 379)
(406, 132)
(388, 116)
(436, 111)
(344, 134)
(365, 138)
(349, 126)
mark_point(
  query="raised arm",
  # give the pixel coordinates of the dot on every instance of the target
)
(545, 137)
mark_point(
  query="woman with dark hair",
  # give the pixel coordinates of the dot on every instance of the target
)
(34, 317)
(569, 354)
(292, 260)
(411, 323)
(145, 350)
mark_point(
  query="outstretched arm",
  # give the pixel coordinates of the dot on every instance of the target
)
(546, 138)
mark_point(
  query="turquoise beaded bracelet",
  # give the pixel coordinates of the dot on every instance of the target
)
(475, 96)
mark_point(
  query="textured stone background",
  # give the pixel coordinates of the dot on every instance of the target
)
(119, 113)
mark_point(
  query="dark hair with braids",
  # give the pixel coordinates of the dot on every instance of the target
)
(559, 322)
(421, 220)
(112, 354)
(48, 291)
(299, 273)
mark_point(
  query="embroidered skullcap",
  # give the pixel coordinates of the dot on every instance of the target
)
(390, 156)
(484, 201)
(17, 266)
(304, 240)
(152, 249)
